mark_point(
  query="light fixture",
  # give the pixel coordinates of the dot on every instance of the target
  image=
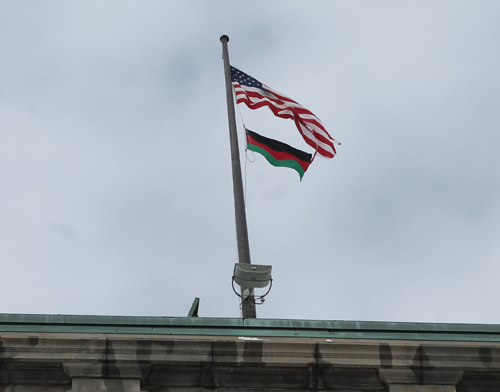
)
(251, 276)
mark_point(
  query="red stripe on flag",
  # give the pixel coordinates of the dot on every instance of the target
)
(316, 134)
(279, 155)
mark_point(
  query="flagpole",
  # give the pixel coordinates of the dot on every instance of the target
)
(248, 300)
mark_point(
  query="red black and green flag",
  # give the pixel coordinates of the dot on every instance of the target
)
(278, 153)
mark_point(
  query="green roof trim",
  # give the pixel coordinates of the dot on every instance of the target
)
(205, 326)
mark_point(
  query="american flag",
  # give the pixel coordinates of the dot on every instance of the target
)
(255, 95)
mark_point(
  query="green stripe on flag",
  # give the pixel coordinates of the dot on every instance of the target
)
(292, 164)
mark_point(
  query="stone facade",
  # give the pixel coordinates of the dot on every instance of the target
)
(135, 362)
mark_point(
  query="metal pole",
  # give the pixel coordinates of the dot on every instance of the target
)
(248, 301)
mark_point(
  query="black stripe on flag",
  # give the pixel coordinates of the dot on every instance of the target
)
(280, 146)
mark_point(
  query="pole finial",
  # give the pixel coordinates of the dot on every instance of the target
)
(224, 38)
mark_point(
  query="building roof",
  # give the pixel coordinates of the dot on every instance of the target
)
(207, 326)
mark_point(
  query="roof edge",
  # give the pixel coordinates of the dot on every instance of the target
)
(249, 327)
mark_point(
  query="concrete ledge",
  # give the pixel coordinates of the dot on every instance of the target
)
(104, 385)
(38, 362)
(421, 388)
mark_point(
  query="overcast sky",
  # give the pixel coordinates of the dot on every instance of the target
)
(115, 175)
